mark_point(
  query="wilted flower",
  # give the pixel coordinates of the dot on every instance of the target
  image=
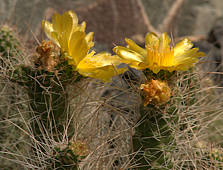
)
(158, 54)
(75, 45)
(48, 55)
(156, 91)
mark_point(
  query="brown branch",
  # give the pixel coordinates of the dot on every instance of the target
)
(91, 5)
(165, 26)
(145, 18)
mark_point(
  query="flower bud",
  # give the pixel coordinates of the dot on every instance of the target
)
(156, 92)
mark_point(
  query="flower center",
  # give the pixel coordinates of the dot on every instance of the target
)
(159, 57)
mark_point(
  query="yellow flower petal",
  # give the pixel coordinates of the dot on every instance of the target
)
(48, 29)
(100, 60)
(133, 46)
(187, 59)
(128, 54)
(64, 23)
(101, 66)
(82, 26)
(78, 47)
(151, 39)
(182, 46)
(73, 16)
(130, 57)
(104, 74)
(164, 42)
(89, 39)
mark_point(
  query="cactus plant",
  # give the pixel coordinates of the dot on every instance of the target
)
(14, 105)
(155, 139)
(10, 48)
(52, 125)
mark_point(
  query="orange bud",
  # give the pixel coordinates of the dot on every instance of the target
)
(157, 92)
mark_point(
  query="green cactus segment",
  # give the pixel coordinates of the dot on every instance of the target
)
(154, 141)
(161, 75)
(49, 108)
(47, 94)
(212, 155)
(66, 157)
(10, 47)
(13, 100)
(45, 84)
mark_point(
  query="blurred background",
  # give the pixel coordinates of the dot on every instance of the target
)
(112, 20)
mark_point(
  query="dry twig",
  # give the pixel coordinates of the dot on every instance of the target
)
(145, 17)
(165, 26)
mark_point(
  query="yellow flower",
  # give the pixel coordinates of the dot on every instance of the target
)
(100, 66)
(75, 45)
(158, 54)
(62, 28)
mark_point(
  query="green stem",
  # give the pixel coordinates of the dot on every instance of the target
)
(153, 139)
